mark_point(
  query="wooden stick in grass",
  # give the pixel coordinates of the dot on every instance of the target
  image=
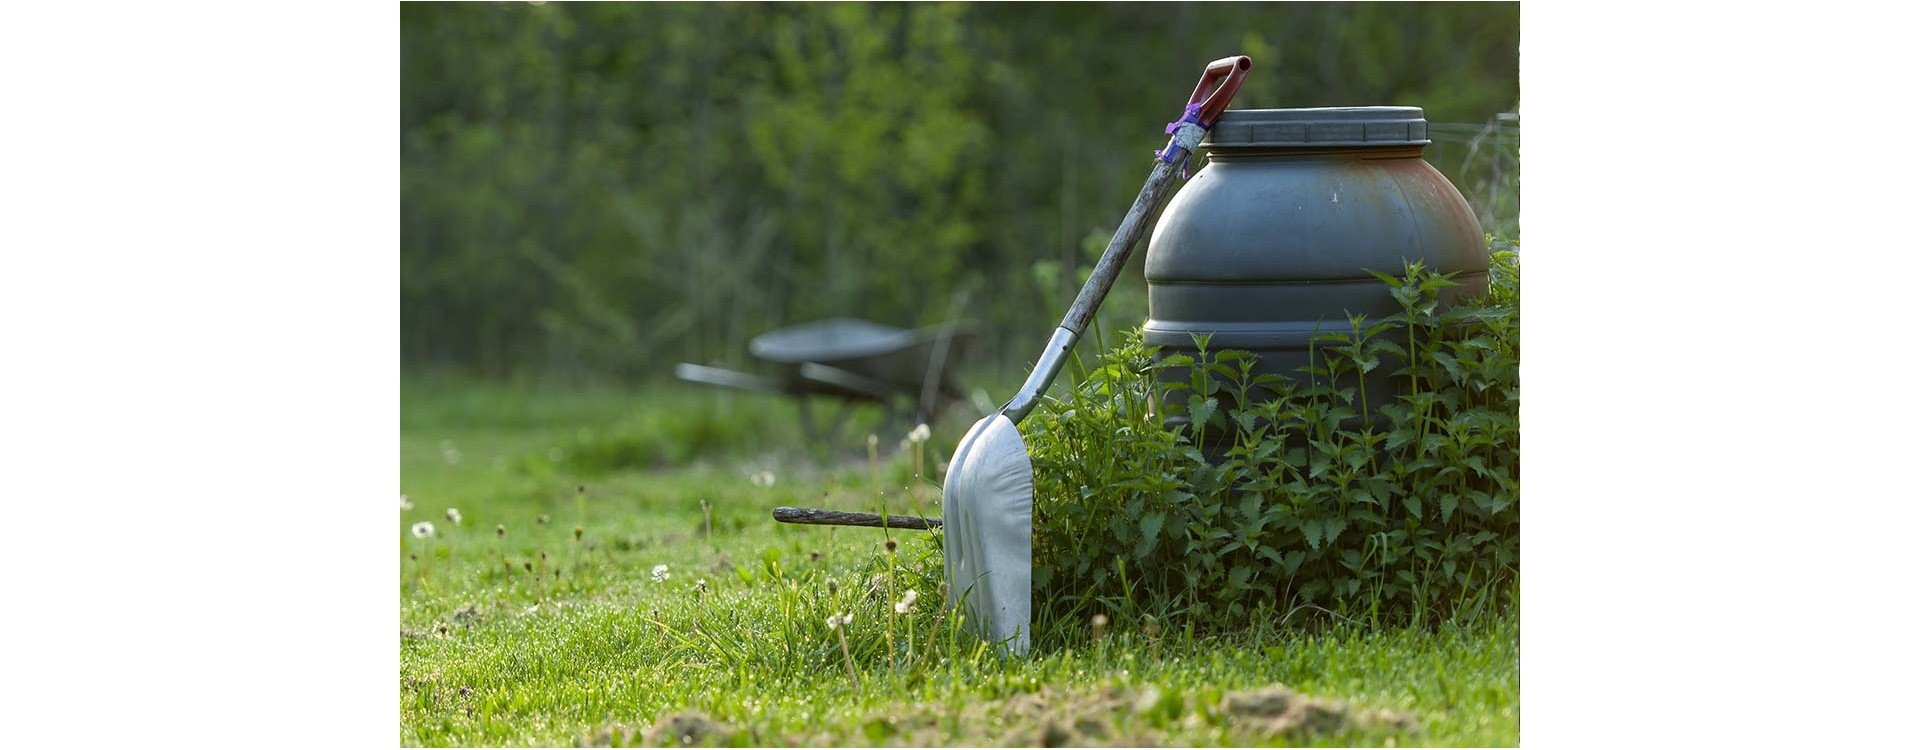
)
(820, 517)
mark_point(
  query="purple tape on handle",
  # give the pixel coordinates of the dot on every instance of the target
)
(1173, 154)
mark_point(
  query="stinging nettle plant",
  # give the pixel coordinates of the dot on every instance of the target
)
(1280, 494)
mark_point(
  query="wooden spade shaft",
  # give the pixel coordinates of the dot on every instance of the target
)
(816, 516)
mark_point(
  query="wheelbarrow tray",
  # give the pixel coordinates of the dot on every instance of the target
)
(867, 355)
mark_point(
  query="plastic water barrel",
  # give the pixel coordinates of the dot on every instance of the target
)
(1271, 242)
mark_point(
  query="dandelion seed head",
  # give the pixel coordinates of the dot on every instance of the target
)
(405, 504)
(920, 434)
(453, 516)
(905, 604)
(422, 530)
(500, 530)
(660, 574)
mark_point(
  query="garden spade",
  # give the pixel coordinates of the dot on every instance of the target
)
(988, 496)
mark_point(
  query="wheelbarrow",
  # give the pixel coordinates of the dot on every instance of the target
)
(854, 362)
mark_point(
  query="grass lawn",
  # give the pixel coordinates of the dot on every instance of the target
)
(729, 644)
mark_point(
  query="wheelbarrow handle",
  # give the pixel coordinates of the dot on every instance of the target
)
(817, 516)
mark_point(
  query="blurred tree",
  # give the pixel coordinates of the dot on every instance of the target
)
(606, 188)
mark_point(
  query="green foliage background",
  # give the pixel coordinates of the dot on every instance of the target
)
(602, 189)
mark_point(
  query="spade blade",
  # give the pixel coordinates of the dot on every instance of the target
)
(988, 516)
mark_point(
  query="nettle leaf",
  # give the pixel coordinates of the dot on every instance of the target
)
(1413, 505)
(1333, 528)
(1250, 508)
(1149, 534)
(1295, 457)
(1448, 504)
(1312, 530)
(1264, 453)
(1294, 559)
(1390, 280)
(1383, 489)
(1479, 467)
(1202, 411)
(1239, 576)
(1434, 283)
(1246, 420)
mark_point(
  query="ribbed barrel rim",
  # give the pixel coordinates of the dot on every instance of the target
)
(1318, 127)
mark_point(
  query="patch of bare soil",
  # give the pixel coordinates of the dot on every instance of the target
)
(685, 729)
(1054, 717)
(1122, 717)
(1275, 710)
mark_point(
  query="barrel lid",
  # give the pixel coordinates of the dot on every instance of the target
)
(1319, 126)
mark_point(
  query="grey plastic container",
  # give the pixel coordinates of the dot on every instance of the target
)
(1272, 241)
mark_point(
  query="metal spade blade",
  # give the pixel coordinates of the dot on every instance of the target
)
(989, 531)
